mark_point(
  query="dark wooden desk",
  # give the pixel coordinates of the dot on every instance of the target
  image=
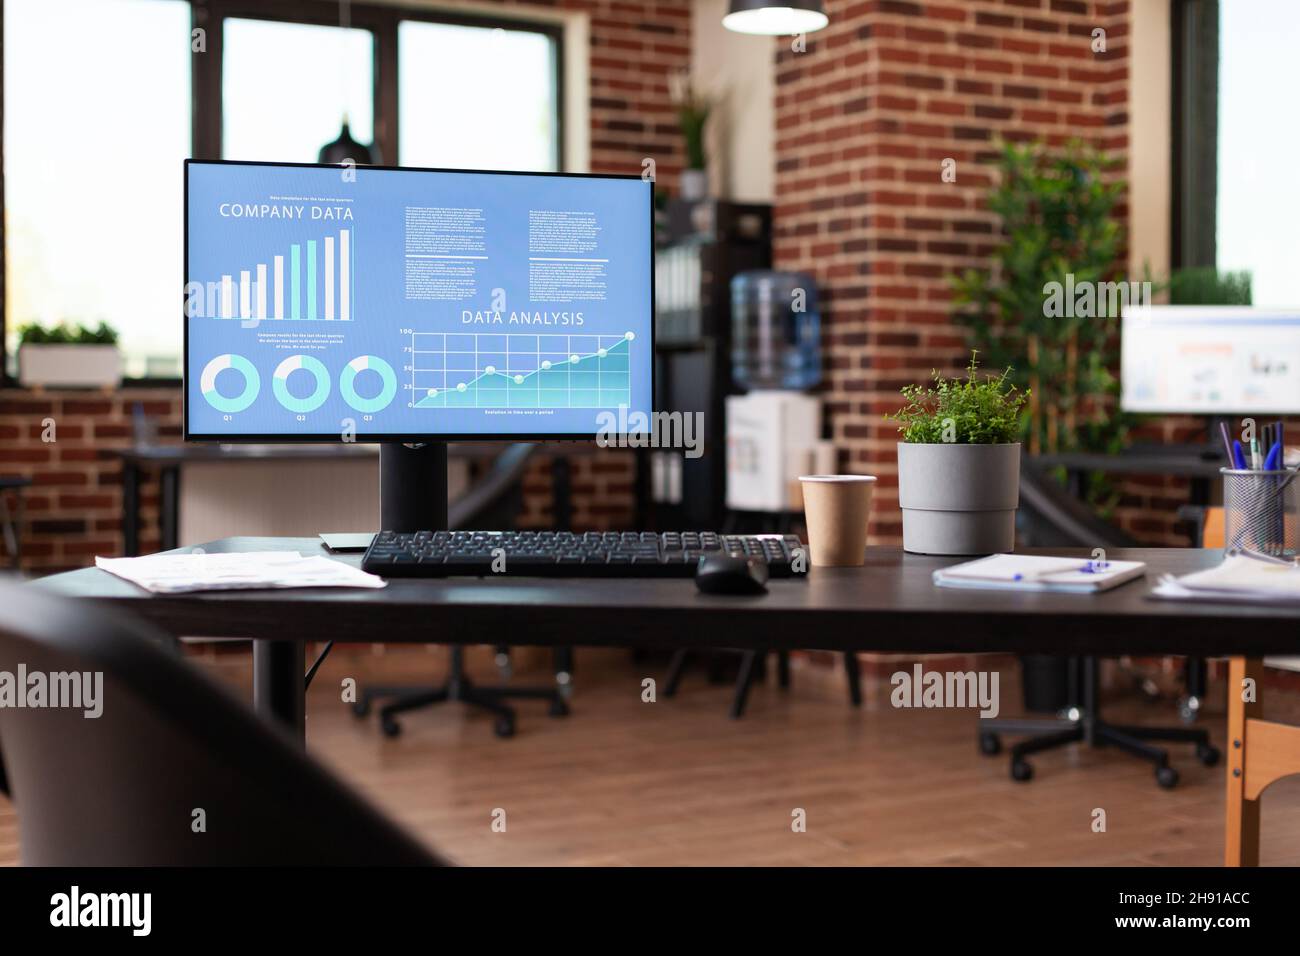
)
(169, 459)
(890, 604)
(1201, 472)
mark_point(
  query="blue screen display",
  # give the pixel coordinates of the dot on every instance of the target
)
(323, 301)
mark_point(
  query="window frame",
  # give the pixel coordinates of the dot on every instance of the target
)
(382, 20)
(1194, 139)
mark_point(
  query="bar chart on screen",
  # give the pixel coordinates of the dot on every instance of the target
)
(519, 370)
(310, 281)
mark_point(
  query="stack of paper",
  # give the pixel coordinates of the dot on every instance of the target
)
(1024, 572)
(1238, 578)
(177, 573)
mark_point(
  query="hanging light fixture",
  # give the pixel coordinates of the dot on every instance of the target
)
(345, 148)
(775, 17)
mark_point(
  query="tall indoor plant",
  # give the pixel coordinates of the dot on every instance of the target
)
(959, 463)
(1058, 224)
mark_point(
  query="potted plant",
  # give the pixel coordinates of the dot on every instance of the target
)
(68, 355)
(959, 463)
(693, 109)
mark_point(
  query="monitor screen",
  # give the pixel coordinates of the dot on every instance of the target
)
(1211, 360)
(383, 304)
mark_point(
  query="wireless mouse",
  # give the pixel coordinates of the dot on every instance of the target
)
(731, 574)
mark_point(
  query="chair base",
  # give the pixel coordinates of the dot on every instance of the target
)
(751, 668)
(458, 687)
(1089, 728)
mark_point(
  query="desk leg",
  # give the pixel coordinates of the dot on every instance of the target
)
(279, 684)
(169, 507)
(561, 494)
(130, 509)
(1241, 838)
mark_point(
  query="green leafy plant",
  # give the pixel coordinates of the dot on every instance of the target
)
(1057, 217)
(1206, 285)
(973, 410)
(64, 333)
(693, 109)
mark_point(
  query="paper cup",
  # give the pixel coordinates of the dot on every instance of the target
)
(835, 508)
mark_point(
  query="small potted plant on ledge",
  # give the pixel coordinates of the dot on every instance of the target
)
(959, 464)
(68, 356)
(693, 109)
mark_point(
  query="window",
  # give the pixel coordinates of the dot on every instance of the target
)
(1258, 202)
(103, 99)
(316, 74)
(459, 106)
(1233, 203)
(96, 125)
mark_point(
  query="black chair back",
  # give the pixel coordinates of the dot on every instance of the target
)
(175, 770)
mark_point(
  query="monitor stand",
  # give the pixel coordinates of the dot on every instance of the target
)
(413, 487)
(413, 497)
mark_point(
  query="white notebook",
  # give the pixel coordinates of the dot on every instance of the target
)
(1026, 572)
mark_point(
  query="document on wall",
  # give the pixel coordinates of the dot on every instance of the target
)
(180, 573)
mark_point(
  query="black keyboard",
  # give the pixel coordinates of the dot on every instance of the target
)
(595, 554)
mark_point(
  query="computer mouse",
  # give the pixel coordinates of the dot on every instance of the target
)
(731, 574)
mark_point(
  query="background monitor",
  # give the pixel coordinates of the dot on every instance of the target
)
(385, 304)
(1211, 360)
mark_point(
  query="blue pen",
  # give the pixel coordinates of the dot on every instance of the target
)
(1274, 458)
(1238, 456)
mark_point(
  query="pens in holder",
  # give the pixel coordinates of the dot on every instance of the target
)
(1238, 456)
(1274, 458)
(1227, 443)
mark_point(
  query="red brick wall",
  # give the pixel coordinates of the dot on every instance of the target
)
(865, 118)
(74, 506)
(74, 509)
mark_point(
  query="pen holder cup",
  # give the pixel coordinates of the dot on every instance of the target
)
(1261, 511)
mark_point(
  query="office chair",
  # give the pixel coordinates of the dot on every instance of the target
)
(752, 664)
(170, 748)
(1061, 519)
(492, 503)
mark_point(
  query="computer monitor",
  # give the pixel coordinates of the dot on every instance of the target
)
(383, 304)
(1210, 360)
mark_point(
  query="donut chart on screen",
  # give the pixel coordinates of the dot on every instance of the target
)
(347, 384)
(280, 383)
(208, 383)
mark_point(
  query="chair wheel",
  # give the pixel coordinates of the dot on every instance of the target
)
(1167, 777)
(1022, 771)
(990, 744)
(559, 708)
(504, 727)
(390, 727)
(1207, 754)
(361, 708)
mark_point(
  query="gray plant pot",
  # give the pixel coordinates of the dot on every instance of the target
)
(958, 499)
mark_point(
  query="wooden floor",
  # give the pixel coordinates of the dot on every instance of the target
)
(623, 782)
